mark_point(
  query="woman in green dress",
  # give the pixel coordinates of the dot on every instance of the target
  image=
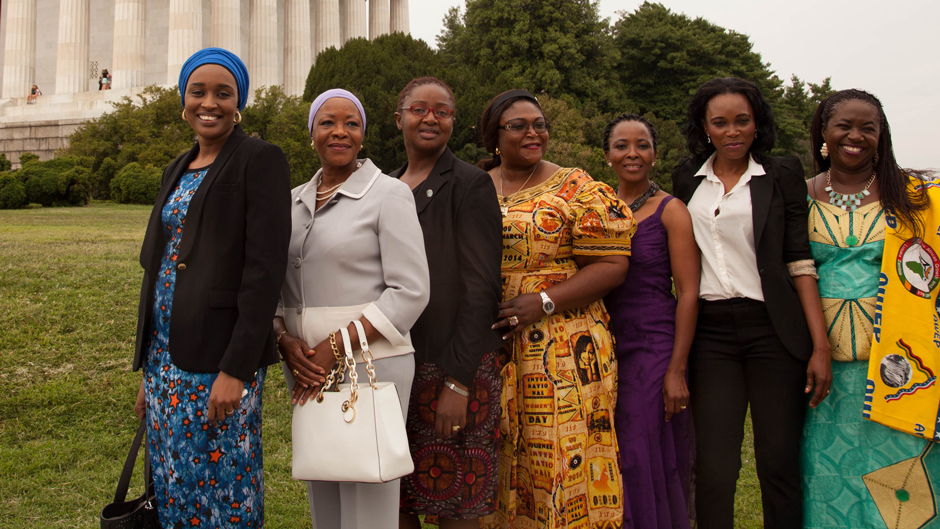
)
(846, 460)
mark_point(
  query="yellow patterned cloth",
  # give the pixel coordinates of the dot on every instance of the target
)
(902, 390)
(847, 247)
(558, 460)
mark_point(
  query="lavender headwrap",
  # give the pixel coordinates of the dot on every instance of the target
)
(329, 94)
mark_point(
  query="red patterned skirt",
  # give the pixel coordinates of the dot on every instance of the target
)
(454, 477)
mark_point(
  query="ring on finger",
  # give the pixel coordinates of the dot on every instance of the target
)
(295, 372)
(682, 407)
(514, 320)
(230, 412)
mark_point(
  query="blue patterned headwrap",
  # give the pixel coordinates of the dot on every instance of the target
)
(330, 94)
(223, 58)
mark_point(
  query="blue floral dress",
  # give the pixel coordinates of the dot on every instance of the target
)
(204, 476)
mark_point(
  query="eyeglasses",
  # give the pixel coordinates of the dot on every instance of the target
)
(521, 126)
(439, 113)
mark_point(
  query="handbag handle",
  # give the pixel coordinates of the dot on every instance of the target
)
(121, 493)
(364, 345)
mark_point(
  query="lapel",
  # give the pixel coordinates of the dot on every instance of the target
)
(150, 253)
(762, 192)
(194, 214)
(435, 180)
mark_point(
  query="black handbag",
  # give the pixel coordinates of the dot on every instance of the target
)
(141, 512)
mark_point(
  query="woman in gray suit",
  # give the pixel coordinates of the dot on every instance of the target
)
(356, 253)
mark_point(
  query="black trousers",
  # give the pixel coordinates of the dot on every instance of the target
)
(737, 359)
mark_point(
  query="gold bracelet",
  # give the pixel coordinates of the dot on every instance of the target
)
(277, 339)
(336, 353)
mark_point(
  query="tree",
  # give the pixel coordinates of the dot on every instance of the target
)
(280, 119)
(551, 46)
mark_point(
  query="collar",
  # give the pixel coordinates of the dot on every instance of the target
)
(708, 168)
(356, 186)
(445, 162)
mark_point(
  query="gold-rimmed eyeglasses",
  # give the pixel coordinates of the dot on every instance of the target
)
(521, 126)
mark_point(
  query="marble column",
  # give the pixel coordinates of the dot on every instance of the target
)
(185, 35)
(130, 53)
(399, 18)
(355, 19)
(72, 69)
(297, 59)
(262, 44)
(225, 25)
(19, 49)
(378, 18)
(327, 33)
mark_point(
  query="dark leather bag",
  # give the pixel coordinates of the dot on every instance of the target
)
(141, 512)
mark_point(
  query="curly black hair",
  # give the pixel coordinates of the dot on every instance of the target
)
(895, 194)
(628, 117)
(695, 136)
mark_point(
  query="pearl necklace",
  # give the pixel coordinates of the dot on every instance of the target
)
(849, 202)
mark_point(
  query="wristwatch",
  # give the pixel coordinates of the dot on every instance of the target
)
(548, 306)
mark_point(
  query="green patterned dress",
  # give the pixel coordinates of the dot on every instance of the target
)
(856, 473)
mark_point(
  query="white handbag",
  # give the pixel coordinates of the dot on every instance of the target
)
(351, 433)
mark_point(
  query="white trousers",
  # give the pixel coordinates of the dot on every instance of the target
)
(362, 505)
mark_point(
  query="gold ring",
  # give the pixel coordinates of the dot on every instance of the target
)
(295, 372)
(513, 320)
(682, 407)
(455, 428)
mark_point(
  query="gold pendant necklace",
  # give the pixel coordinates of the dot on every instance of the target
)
(503, 199)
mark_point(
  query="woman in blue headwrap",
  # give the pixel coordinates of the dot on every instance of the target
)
(214, 255)
(356, 253)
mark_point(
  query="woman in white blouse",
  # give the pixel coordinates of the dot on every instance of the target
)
(356, 253)
(761, 339)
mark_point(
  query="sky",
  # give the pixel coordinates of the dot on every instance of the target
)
(891, 49)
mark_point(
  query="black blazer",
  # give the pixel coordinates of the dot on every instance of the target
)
(231, 260)
(462, 224)
(779, 212)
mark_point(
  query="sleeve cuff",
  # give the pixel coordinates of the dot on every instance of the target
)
(384, 326)
(804, 267)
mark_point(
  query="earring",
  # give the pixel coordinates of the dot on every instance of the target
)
(824, 151)
(313, 144)
(653, 164)
(238, 117)
(709, 138)
(609, 164)
(755, 134)
(184, 114)
(875, 158)
(497, 151)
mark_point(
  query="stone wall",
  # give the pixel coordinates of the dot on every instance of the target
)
(42, 138)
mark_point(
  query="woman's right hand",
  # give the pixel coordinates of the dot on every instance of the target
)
(322, 359)
(294, 352)
(140, 407)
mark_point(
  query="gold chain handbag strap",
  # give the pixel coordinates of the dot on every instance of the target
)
(336, 375)
(350, 405)
(366, 352)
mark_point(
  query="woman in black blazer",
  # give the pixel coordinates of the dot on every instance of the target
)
(455, 396)
(760, 340)
(214, 256)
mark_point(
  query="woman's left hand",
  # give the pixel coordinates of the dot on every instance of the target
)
(527, 309)
(225, 398)
(819, 374)
(675, 393)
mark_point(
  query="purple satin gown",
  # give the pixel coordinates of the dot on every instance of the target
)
(655, 455)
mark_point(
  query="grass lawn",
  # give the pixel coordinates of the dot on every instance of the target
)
(69, 283)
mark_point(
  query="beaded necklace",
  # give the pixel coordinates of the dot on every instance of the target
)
(638, 203)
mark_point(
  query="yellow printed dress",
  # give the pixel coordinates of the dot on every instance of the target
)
(558, 458)
(856, 473)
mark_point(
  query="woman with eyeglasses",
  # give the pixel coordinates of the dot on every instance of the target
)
(566, 243)
(451, 423)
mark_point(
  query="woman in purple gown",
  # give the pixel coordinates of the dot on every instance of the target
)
(654, 331)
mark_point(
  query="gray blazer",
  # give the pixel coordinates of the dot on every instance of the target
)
(364, 246)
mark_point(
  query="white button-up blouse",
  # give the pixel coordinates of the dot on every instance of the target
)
(724, 230)
(363, 254)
